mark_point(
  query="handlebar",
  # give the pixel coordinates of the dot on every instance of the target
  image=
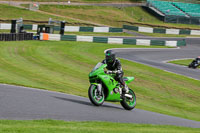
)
(111, 72)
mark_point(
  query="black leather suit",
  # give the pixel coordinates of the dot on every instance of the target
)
(116, 66)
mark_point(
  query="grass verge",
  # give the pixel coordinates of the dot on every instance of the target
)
(16, 13)
(64, 67)
(54, 126)
(110, 16)
(95, 1)
(4, 31)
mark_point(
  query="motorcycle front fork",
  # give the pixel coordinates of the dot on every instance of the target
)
(99, 88)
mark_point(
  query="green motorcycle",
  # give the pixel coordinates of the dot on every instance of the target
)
(105, 88)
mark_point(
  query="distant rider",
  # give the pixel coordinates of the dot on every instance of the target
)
(198, 59)
(195, 63)
(114, 66)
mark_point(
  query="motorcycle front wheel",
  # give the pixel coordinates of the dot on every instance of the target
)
(129, 103)
(95, 97)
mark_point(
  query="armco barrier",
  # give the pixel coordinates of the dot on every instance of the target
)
(28, 27)
(158, 43)
(157, 30)
(68, 38)
(181, 43)
(129, 41)
(100, 39)
(111, 29)
(5, 26)
(162, 31)
(68, 28)
(185, 32)
(16, 37)
(111, 40)
(78, 28)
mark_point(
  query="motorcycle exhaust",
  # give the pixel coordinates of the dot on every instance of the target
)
(129, 96)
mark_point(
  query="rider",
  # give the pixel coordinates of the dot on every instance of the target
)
(198, 59)
(114, 66)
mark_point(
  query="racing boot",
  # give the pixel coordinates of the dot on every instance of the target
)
(125, 88)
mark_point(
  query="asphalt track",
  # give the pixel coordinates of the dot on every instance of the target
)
(21, 103)
(158, 57)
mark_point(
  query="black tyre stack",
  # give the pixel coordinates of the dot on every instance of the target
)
(16, 36)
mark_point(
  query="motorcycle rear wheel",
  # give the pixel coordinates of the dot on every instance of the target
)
(94, 96)
(128, 103)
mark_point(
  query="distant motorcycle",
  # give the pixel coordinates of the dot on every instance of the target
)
(195, 63)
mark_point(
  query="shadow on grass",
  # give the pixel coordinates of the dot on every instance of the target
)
(85, 103)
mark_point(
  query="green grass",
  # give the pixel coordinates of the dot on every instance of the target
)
(64, 67)
(111, 16)
(4, 31)
(184, 62)
(10, 12)
(54, 126)
(95, 1)
(102, 15)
